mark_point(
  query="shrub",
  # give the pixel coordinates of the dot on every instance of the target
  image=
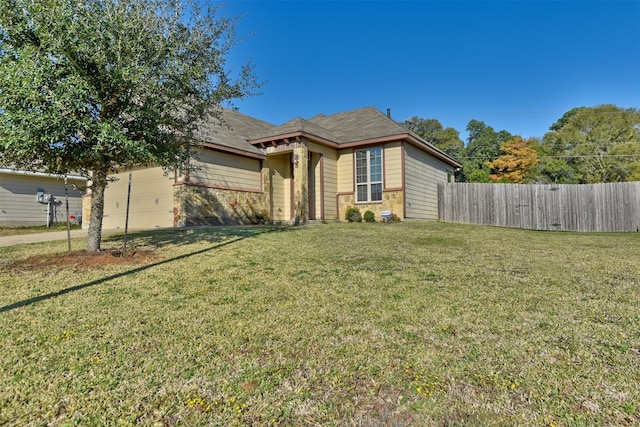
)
(353, 215)
(369, 216)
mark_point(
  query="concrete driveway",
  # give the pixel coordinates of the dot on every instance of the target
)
(20, 239)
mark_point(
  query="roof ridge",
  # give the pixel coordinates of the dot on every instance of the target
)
(298, 124)
(340, 113)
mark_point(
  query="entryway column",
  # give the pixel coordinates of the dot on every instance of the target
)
(300, 163)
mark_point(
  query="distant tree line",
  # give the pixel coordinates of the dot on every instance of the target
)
(586, 145)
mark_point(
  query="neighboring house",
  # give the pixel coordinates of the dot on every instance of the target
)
(250, 172)
(36, 198)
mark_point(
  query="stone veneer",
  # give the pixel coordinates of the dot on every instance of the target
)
(301, 183)
(391, 201)
(200, 205)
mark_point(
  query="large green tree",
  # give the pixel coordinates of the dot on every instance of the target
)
(483, 145)
(551, 169)
(95, 85)
(600, 144)
(432, 131)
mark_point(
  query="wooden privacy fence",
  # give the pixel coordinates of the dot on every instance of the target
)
(586, 207)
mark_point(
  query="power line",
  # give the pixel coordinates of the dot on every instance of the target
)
(585, 156)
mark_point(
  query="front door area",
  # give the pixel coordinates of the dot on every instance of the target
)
(281, 185)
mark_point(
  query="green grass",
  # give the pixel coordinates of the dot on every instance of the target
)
(330, 324)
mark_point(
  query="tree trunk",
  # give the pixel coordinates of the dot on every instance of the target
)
(98, 185)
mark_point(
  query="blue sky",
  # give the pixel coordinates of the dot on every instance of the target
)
(516, 65)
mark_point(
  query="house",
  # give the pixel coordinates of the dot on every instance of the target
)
(248, 171)
(37, 198)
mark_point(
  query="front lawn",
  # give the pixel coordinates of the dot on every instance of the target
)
(331, 324)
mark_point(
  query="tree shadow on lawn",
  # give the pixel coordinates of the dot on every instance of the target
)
(220, 238)
(188, 235)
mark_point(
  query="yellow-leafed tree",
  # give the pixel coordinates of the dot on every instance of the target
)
(518, 155)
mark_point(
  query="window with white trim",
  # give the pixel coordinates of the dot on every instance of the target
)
(369, 175)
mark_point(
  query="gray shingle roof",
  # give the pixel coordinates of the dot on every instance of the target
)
(304, 126)
(239, 130)
(356, 125)
(359, 125)
(235, 132)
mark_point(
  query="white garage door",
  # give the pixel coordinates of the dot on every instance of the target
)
(151, 204)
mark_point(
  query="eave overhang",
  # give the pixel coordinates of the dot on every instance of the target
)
(41, 174)
(288, 138)
(434, 151)
(231, 150)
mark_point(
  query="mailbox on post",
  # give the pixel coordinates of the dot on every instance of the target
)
(43, 197)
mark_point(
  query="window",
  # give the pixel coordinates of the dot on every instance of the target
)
(369, 175)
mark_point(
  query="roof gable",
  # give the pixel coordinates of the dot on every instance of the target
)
(368, 124)
(351, 126)
(359, 125)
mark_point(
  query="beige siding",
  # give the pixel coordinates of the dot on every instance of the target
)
(422, 174)
(330, 184)
(151, 202)
(280, 187)
(18, 204)
(392, 175)
(392, 156)
(344, 166)
(224, 170)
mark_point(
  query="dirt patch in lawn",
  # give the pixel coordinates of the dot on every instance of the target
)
(86, 260)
